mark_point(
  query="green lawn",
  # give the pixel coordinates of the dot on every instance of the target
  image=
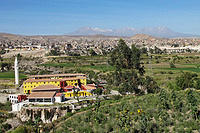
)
(100, 67)
(10, 75)
(59, 64)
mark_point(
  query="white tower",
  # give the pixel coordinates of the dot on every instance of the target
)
(16, 72)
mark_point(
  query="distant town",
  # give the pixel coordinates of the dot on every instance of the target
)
(81, 45)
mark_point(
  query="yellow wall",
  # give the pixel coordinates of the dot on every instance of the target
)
(28, 86)
(81, 93)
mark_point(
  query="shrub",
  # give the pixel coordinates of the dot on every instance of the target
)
(172, 65)
(116, 97)
(20, 129)
(170, 72)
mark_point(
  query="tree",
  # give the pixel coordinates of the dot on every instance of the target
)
(98, 91)
(193, 103)
(186, 80)
(2, 51)
(150, 85)
(127, 58)
(54, 52)
(125, 81)
(5, 66)
(92, 52)
(172, 65)
(119, 56)
(76, 93)
(197, 84)
(128, 76)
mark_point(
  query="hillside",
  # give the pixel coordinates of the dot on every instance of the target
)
(143, 37)
(7, 36)
(163, 112)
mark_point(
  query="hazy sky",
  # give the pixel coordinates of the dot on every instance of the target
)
(64, 16)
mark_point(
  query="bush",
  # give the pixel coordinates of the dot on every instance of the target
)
(186, 80)
(172, 65)
(20, 129)
(6, 106)
(170, 72)
(116, 97)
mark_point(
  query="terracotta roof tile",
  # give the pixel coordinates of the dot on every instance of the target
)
(42, 94)
(46, 87)
(59, 94)
(56, 75)
(53, 80)
(68, 87)
(89, 87)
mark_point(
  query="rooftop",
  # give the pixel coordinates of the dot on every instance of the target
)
(59, 94)
(89, 87)
(57, 75)
(46, 87)
(42, 94)
(52, 80)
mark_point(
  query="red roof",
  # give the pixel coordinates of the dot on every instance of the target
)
(46, 87)
(58, 94)
(87, 87)
(50, 80)
(57, 75)
(42, 95)
(68, 87)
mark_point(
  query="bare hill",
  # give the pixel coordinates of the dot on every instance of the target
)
(7, 36)
(143, 37)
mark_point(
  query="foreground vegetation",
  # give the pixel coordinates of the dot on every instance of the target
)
(163, 112)
(166, 111)
(4, 115)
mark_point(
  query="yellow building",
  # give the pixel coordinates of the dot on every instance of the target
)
(80, 93)
(63, 81)
(29, 84)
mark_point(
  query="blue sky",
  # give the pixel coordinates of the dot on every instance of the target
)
(33, 17)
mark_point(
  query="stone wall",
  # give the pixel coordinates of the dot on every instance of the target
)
(46, 114)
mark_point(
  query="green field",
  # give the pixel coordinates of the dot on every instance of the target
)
(103, 68)
(59, 64)
(10, 75)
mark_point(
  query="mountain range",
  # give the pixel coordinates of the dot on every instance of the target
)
(162, 32)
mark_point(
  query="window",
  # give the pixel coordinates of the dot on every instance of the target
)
(39, 100)
(47, 100)
(31, 100)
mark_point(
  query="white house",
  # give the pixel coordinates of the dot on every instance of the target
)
(59, 97)
(17, 106)
(13, 98)
(42, 97)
